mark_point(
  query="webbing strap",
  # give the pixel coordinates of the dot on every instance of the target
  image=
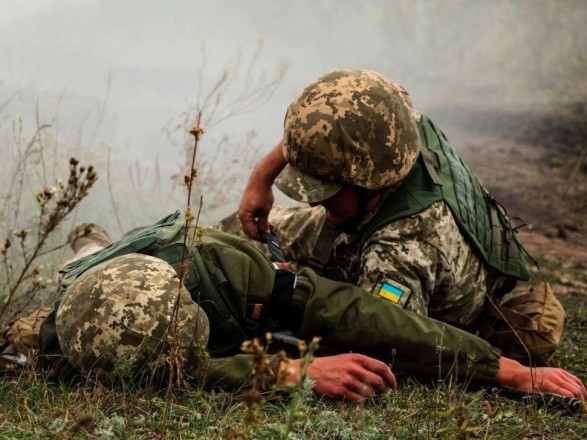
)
(323, 247)
(495, 230)
(279, 303)
(431, 163)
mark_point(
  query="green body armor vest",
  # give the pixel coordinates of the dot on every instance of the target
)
(440, 174)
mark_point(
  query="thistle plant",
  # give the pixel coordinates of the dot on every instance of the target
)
(20, 255)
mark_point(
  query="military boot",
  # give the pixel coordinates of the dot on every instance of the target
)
(88, 235)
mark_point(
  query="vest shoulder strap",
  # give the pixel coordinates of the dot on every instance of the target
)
(323, 247)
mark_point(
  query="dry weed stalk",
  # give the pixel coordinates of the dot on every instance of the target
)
(177, 354)
(54, 204)
(236, 91)
(251, 96)
(262, 379)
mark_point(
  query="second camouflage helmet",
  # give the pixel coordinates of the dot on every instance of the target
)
(121, 311)
(348, 126)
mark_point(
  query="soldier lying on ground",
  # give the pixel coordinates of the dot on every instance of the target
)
(118, 302)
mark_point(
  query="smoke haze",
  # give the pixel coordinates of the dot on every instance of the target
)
(122, 70)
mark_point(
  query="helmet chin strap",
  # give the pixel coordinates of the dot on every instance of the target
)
(364, 196)
(321, 253)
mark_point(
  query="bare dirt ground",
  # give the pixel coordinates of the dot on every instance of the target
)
(535, 165)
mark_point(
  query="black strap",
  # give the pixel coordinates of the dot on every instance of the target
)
(432, 163)
(279, 307)
(323, 247)
(274, 246)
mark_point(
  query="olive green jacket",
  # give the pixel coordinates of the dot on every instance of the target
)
(346, 318)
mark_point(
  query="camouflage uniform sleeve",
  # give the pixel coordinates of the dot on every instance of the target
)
(427, 256)
(298, 228)
(347, 318)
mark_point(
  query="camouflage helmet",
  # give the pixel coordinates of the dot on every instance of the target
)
(348, 126)
(122, 309)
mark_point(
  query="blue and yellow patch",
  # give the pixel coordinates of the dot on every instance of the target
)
(394, 292)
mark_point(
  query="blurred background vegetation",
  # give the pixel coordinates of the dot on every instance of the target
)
(515, 67)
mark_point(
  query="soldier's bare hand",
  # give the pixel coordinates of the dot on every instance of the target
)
(543, 379)
(350, 377)
(257, 199)
(253, 211)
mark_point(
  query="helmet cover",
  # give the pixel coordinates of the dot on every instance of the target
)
(348, 126)
(122, 309)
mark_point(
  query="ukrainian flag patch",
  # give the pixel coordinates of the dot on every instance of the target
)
(394, 292)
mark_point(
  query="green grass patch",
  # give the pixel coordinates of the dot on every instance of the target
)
(34, 408)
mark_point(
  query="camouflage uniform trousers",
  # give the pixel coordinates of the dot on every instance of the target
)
(425, 254)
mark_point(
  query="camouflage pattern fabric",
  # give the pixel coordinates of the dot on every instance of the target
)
(347, 318)
(349, 126)
(425, 253)
(121, 310)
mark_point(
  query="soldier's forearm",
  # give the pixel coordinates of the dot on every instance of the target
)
(269, 166)
(346, 317)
